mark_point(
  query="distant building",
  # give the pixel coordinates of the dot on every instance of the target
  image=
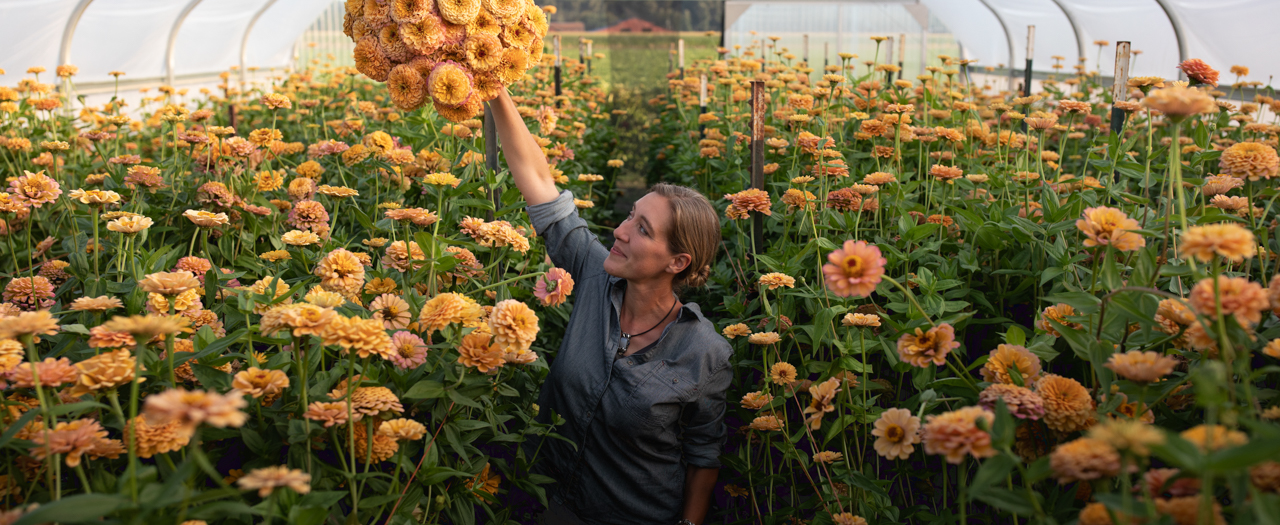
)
(566, 27)
(634, 25)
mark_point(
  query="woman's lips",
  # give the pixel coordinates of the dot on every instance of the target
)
(615, 250)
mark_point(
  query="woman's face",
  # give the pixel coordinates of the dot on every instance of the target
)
(640, 251)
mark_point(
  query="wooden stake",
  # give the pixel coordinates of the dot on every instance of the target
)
(491, 155)
(826, 55)
(680, 52)
(1120, 88)
(902, 52)
(702, 101)
(1026, 75)
(758, 107)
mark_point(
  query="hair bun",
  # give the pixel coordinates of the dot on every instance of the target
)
(699, 278)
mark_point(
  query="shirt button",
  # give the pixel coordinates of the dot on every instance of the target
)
(675, 380)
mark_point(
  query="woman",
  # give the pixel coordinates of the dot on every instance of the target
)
(640, 377)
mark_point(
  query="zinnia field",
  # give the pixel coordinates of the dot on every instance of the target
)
(315, 301)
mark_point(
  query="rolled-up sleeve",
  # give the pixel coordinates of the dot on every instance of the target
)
(570, 243)
(704, 431)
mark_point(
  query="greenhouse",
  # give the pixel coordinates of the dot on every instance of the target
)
(850, 262)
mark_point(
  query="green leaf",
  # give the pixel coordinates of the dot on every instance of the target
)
(991, 474)
(425, 389)
(1224, 461)
(1015, 336)
(1083, 302)
(1005, 499)
(81, 507)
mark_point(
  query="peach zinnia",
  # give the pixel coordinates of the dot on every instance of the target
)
(1238, 296)
(408, 350)
(1226, 240)
(854, 270)
(266, 480)
(956, 434)
(924, 348)
(897, 432)
(1084, 459)
(1139, 366)
(476, 351)
(1110, 226)
(1006, 357)
(1068, 407)
(1252, 160)
(514, 325)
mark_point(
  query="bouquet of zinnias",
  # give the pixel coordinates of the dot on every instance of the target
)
(455, 54)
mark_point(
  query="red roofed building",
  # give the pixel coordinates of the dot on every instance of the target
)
(634, 25)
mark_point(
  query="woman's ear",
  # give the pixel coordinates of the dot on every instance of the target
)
(679, 262)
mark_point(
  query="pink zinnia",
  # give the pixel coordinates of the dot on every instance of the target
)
(554, 287)
(30, 293)
(195, 265)
(408, 350)
(854, 270)
(35, 188)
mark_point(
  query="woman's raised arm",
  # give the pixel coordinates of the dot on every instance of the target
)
(524, 156)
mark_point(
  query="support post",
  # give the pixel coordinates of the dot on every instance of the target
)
(902, 52)
(1026, 74)
(590, 56)
(826, 56)
(491, 155)
(680, 54)
(888, 59)
(806, 50)
(1120, 87)
(556, 43)
(702, 102)
(758, 107)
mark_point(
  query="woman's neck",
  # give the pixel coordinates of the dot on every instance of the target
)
(647, 300)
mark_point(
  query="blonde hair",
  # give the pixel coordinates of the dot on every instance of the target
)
(695, 230)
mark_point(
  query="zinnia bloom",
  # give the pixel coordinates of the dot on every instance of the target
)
(35, 188)
(1068, 407)
(28, 323)
(1143, 367)
(448, 308)
(1110, 226)
(260, 383)
(330, 413)
(1057, 313)
(1253, 160)
(823, 401)
(750, 200)
(206, 219)
(104, 371)
(1084, 459)
(1021, 402)
(783, 373)
(756, 400)
(74, 438)
(1005, 357)
(393, 310)
(192, 408)
(741, 330)
(402, 429)
(764, 338)
(169, 283)
(477, 352)
(956, 434)
(266, 480)
(897, 432)
(408, 350)
(1199, 71)
(514, 325)
(1226, 240)
(774, 280)
(30, 293)
(921, 348)
(854, 270)
(861, 320)
(1239, 296)
(340, 271)
(766, 423)
(1178, 102)
(364, 337)
(1214, 437)
(554, 287)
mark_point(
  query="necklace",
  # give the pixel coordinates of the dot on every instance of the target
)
(626, 338)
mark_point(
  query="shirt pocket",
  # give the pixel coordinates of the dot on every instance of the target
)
(659, 397)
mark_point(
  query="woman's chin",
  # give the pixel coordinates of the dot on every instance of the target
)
(613, 265)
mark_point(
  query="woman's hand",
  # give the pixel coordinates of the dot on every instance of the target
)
(524, 156)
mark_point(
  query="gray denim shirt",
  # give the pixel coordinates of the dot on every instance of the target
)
(639, 420)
